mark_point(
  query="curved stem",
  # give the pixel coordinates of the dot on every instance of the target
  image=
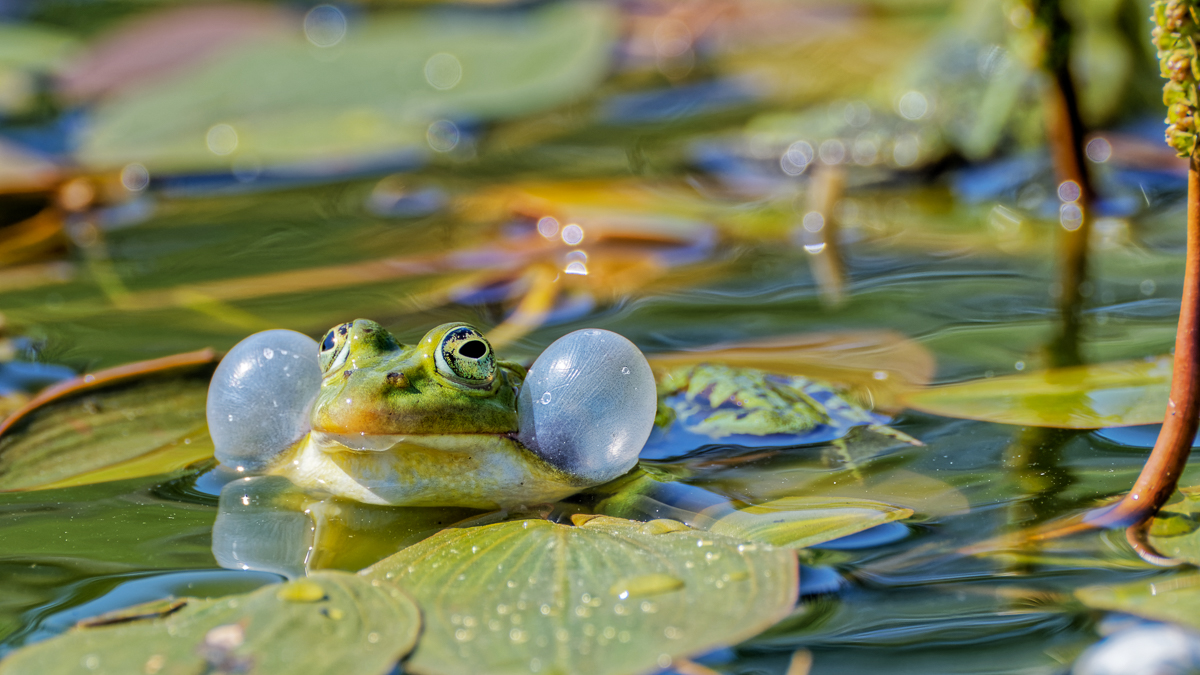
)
(1161, 473)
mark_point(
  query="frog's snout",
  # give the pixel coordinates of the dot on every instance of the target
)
(261, 396)
(588, 405)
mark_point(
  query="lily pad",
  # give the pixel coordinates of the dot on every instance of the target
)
(1175, 598)
(372, 90)
(331, 622)
(141, 419)
(799, 522)
(608, 597)
(1083, 397)
(1175, 530)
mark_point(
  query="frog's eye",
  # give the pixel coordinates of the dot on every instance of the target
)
(465, 356)
(333, 348)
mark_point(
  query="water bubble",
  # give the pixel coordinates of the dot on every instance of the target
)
(624, 370)
(324, 25)
(221, 139)
(443, 71)
(572, 234)
(1070, 215)
(1068, 191)
(547, 227)
(442, 136)
(813, 222)
(832, 152)
(135, 177)
(913, 105)
(269, 353)
(545, 398)
(1099, 150)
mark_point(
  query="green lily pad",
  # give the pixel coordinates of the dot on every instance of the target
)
(1083, 397)
(376, 91)
(1175, 598)
(1175, 530)
(331, 622)
(607, 597)
(799, 522)
(138, 420)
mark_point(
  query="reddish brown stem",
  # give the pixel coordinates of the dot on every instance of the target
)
(1170, 454)
(1066, 135)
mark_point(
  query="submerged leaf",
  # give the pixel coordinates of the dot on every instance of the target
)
(608, 597)
(881, 366)
(1082, 397)
(1175, 530)
(141, 419)
(799, 522)
(1175, 598)
(331, 622)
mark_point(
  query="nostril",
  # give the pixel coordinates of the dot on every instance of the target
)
(397, 380)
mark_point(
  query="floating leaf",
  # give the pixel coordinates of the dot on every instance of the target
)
(1175, 530)
(799, 522)
(1175, 598)
(1082, 397)
(141, 419)
(374, 92)
(331, 622)
(534, 595)
(163, 43)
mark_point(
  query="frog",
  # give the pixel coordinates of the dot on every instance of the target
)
(439, 422)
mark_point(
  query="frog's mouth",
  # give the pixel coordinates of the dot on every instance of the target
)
(363, 442)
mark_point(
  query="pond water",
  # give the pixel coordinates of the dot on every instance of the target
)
(692, 200)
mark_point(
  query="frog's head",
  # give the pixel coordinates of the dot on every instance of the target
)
(449, 382)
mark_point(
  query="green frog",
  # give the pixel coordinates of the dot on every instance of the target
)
(437, 423)
(444, 422)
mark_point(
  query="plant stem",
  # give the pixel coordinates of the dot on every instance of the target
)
(1170, 454)
(1066, 134)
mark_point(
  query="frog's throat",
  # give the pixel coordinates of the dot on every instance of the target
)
(470, 470)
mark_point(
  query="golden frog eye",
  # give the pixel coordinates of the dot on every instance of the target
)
(465, 356)
(334, 348)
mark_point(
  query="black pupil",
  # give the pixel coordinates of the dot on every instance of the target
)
(473, 349)
(327, 343)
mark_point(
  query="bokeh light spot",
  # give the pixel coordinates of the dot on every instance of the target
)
(443, 71)
(325, 25)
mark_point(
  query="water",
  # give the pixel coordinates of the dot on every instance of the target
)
(688, 235)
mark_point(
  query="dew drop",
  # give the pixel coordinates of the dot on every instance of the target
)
(545, 398)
